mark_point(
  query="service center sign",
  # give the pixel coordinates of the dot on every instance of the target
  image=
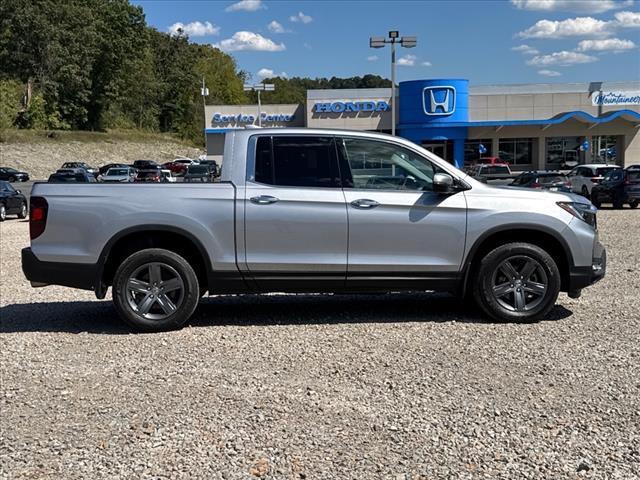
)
(605, 98)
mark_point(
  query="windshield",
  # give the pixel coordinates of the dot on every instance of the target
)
(199, 169)
(493, 170)
(603, 171)
(545, 179)
(117, 171)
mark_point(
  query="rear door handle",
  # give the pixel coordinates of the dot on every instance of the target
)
(263, 200)
(364, 204)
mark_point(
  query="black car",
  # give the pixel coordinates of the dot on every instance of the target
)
(146, 165)
(199, 173)
(213, 165)
(105, 168)
(82, 165)
(78, 176)
(553, 181)
(618, 187)
(12, 202)
(12, 175)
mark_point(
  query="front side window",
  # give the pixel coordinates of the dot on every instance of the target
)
(297, 161)
(517, 151)
(384, 166)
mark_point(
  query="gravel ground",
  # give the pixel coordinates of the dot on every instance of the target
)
(291, 387)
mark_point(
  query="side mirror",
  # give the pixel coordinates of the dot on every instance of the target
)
(442, 183)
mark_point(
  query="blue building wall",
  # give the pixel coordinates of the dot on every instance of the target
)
(433, 110)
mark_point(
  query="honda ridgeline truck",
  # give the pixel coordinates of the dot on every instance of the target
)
(305, 210)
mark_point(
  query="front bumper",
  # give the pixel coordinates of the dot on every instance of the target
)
(75, 275)
(581, 277)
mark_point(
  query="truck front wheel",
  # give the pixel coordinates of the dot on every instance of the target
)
(155, 290)
(517, 282)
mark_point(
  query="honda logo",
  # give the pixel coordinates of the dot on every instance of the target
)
(439, 100)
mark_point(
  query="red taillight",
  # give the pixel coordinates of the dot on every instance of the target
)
(38, 210)
(596, 179)
(536, 185)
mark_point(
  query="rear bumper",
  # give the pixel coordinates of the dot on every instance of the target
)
(581, 277)
(75, 275)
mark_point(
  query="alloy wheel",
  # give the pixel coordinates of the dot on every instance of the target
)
(519, 283)
(3, 212)
(155, 291)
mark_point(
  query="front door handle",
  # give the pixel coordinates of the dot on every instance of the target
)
(364, 204)
(263, 200)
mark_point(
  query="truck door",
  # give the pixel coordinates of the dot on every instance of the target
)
(295, 213)
(400, 231)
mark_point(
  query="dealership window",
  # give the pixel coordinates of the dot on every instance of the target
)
(560, 150)
(472, 150)
(602, 149)
(384, 166)
(298, 161)
(516, 151)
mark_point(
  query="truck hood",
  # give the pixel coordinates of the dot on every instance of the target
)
(529, 194)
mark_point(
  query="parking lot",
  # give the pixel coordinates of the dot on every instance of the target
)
(394, 386)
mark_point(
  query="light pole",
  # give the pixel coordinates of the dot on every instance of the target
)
(268, 87)
(379, 42)
(204, 91)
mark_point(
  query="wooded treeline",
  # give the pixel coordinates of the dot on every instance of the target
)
(97, 65)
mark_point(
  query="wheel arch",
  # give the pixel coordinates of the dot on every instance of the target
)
(140, 237)
(543, 237)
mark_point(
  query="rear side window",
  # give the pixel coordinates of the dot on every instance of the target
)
(297, 161)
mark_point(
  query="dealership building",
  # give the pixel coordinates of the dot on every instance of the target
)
(531, 126)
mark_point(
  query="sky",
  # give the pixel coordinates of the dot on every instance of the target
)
(487, 42)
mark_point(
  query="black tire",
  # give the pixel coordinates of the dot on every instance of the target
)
(585, 191)
(633, 204)
(12, 179)
(617, 203)
(490, 271)
(23, 211)
(176, 270)
(3, 212)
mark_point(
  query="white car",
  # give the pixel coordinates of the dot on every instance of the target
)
(167, 176)
(118, 175)
(584, 177)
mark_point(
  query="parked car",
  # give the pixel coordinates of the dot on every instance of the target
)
(618, 187)
(486, 173)
(119, 175)
(545, 180)
(148, 176)
(12, 175)
(82, 165)
(145, 165)
(12, 201)
(179, 165)
(72, 176)
(167, 176)
(213, 165)
(492, 161)
(294, 215)
(584, 177)
(199, 173)
(105, 168)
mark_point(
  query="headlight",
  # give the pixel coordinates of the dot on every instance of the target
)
(584, 211)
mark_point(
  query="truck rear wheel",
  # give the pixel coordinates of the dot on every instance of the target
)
(155, 290)
(517, 282)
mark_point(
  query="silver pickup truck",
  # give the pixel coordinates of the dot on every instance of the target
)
(302, 210)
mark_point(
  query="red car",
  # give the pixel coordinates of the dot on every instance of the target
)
(179, 165)
(148, 176)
